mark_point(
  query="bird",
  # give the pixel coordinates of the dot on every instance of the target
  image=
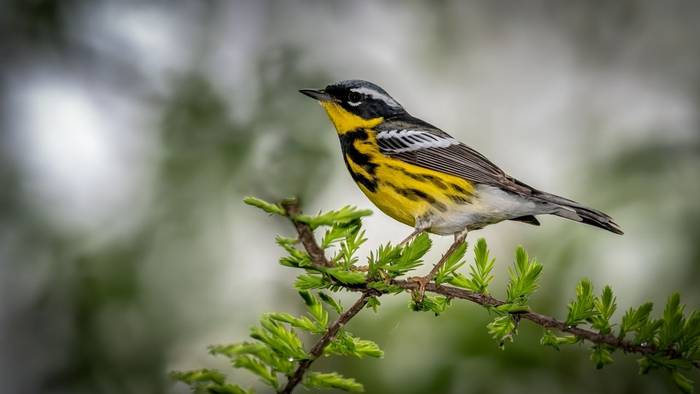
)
(423, 177)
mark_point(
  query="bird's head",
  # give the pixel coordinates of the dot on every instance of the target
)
(355, 104)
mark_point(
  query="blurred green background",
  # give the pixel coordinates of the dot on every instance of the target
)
(130, 130)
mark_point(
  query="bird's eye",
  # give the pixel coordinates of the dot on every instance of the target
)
(354, 97)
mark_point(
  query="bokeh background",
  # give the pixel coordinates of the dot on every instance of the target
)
(130, 131)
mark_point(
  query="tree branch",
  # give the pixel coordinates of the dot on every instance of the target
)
(332, 331)
(424, 280)
(306, 236)
(319, 259)
(537, 318)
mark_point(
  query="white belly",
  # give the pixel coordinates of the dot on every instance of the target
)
(490, 205)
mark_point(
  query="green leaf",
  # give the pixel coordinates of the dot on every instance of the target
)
(310, 282)
(690, 340)
(308, 298)
(645, 365)
(581, 308)
(523, 278)
(332, 380)
(384, 256)
(673, 322)
(634, 319)
(345, 214)
(315, 309)
(284, 342)
(502, 329)
(553, 340)
(295, 258)
(435, 304)
(349, 247)
(258, 368)
(226, 388)
(373, 303)
(233, 350)
(331, 302)
(684, 384)
(452, 264)
(338, 232)
(265, 206)
(208, 381)
(345, 276)
(662, 361)
(411, 256)
(345, 344)
(648, 332)
(462, 281)
(601, 356)
(300, 322)
(604, 307)
(259, 350)
(199, 376)
(365, 347)
(480, 272)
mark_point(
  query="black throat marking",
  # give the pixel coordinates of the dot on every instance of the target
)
(350, 152)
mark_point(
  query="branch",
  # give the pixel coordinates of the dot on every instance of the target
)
(537, 318)
(317, 350)
(306, 236)
(319, 259)
(423, 281)
(670, 343)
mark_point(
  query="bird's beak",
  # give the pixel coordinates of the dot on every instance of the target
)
(316, 94)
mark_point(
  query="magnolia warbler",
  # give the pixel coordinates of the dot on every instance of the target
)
(422, 177)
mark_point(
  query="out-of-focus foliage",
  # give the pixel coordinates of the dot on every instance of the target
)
(129, 130)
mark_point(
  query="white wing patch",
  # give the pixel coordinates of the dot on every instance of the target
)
(376, 95)
(406, 140)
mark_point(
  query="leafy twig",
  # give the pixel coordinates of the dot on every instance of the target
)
(422, 281)
(670, 343)
(306, 236)
(537, 318)
(332, 331)
(488, 301)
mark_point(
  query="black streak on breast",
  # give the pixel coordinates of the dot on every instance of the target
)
(347, 143)
(417, 195)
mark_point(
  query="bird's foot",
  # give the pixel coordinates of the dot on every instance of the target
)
(422, 281)
(419, 292)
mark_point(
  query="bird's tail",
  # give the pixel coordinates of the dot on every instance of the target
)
(574, 211)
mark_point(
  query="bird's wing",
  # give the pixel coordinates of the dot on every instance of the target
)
(432, 148)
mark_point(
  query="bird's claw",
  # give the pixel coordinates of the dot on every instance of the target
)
(422, 282)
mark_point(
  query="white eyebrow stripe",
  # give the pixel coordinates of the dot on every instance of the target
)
(377, 95)
(412, 140)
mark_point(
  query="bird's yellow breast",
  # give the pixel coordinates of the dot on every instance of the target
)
(406, 192)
